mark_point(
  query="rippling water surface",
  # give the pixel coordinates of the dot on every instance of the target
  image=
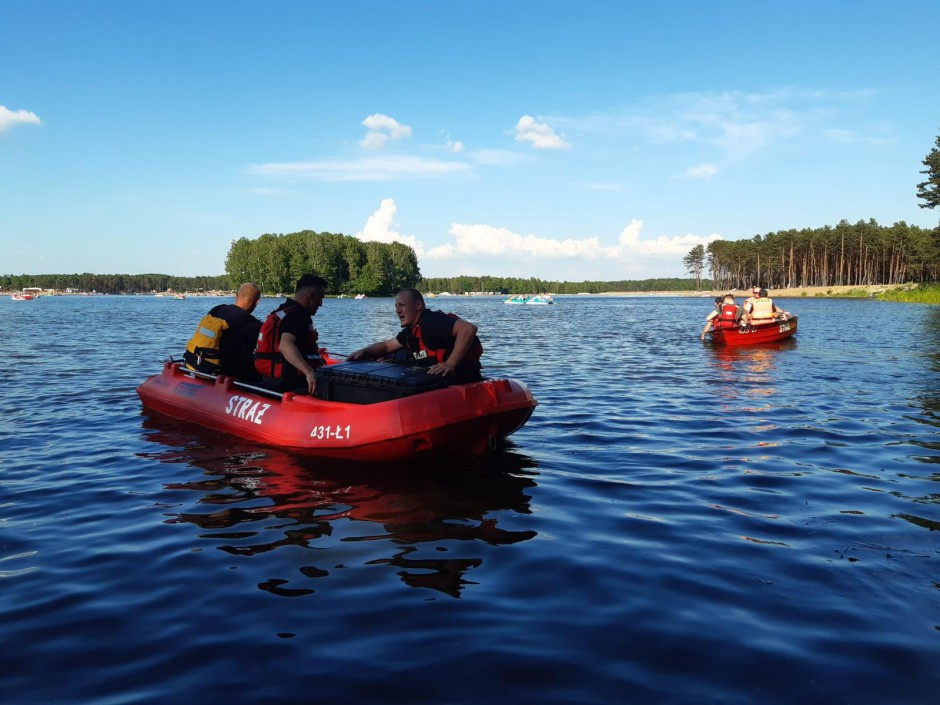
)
(677, 523)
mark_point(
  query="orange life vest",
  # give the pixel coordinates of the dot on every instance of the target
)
(420, 351)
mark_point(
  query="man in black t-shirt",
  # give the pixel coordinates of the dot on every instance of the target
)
(444, 343)
(287, 352)
(232, 343)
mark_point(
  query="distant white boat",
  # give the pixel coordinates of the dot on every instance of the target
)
(360, 296)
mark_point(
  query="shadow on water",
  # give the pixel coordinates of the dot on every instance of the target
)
(251, 500)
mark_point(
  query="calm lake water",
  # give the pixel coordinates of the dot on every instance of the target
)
(677, 523)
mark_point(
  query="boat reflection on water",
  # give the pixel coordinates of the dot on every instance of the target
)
(747, 371)
(252, 500)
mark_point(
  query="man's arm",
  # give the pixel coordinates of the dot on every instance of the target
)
(462, 333)
(292, 354)
(376, 350)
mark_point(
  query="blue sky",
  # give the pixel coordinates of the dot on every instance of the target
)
(563, 140)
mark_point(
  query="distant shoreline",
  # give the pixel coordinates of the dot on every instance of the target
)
(794, 292)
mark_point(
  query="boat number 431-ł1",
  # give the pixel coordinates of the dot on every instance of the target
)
(340, 433)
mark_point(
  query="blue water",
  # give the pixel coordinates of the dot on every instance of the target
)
(677, 523)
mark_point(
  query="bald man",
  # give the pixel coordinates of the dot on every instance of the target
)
(225, 338)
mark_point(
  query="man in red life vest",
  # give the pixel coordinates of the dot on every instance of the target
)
(287, 354)
(444, 343)
(725, 315)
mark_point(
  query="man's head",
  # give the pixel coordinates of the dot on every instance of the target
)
(409, 305)
(719, 300)
(309, 292)
(755, 290)
(762, 293)
(729, 298)
(247, 296)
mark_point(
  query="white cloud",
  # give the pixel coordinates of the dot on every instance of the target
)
(734, 124)
(382, 129)
(490, 249)
(380, 227)
(539, 134)
(368, 169)
(500, 251)
(455, 146)
(9, 118)
(702, 171)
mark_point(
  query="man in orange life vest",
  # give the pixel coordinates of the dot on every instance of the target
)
(229, 332)
(444, 343)
(287, 354)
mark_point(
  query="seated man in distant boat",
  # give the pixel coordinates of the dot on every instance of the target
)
(726, 314)
(760, 309)
(287, 353)
(224, 341)
(444, 343)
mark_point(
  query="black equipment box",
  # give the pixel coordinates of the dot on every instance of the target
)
(371, 382)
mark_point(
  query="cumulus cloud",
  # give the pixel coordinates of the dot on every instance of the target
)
(381, 130)
(540, 135)
(496, 250)
(486, 246)
(380, 227)
(368, 169)
(9, 118)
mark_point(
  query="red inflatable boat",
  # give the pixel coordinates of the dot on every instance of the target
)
(770, 332)
(370, 411)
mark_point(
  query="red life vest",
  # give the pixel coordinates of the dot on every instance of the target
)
(269, 360)
(727, 317)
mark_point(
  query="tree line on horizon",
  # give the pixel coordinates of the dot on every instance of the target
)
(855, 255)
(861, 254)
(845, 255)
(115, 283)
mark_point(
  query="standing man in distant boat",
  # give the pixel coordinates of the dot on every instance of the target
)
(224, 341)
(442, 342)
(287, 354)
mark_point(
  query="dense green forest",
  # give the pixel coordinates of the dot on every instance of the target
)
(845, 255)
(350, 266)
(114, 283)
(513, 285)
(856, 255)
